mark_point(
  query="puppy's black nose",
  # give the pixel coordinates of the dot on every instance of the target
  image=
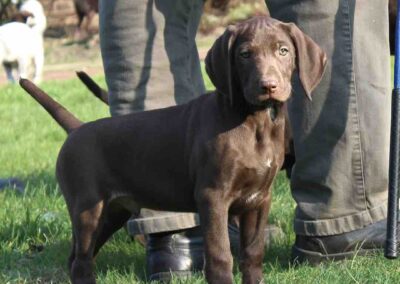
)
(269, 86)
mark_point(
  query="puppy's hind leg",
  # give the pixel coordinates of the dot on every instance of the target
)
(87, 223)
(72, 255)
(114, 219)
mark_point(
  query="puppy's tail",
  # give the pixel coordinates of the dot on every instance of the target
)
(100, 93)
(63, 117)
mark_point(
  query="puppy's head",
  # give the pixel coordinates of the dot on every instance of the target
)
(255, 60)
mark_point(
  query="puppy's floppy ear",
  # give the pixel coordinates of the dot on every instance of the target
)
(219, 63)
(310, 58)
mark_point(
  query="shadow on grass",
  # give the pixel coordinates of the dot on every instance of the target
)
(49, 262)
(122, 257)
(38, 178)
(29, 264)
(278, 257)
(84, 41)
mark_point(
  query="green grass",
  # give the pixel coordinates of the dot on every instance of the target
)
(35, 228)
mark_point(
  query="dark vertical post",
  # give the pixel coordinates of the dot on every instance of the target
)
(393, 198)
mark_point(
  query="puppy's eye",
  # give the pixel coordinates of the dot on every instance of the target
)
(283, 50)
(245, 54)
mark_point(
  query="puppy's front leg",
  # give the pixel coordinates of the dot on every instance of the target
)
(252, 242)
(214, 222)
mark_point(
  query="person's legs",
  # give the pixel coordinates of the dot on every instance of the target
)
(135, 62)
(139, 76)
(182, 19)
(341, 137)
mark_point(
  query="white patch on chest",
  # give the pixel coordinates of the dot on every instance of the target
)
(268, 163)
(252, 197)
(264, 166)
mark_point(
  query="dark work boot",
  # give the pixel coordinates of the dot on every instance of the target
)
(365, 241)
(180, 253)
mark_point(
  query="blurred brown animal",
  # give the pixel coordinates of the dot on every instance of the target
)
(392, 24)
(216, 155)
(86, 10)
(219, 4)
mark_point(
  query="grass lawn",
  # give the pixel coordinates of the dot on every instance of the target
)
(35, 229)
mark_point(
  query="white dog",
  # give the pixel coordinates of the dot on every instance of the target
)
(23, 43)
(38, 21)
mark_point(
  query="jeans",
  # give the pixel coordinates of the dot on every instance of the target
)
(151, 61)
(341, 137)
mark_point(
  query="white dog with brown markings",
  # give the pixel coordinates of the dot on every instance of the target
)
(21, 44)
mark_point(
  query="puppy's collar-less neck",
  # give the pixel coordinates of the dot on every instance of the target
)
(272, 108)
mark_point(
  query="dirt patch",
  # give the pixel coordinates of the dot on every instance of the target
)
(63, 57)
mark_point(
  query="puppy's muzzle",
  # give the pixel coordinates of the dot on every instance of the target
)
(269, 86)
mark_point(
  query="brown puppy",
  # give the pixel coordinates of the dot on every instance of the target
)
(216, 155)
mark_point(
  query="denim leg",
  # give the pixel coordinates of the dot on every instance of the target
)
(151, 61)
(341, 137)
